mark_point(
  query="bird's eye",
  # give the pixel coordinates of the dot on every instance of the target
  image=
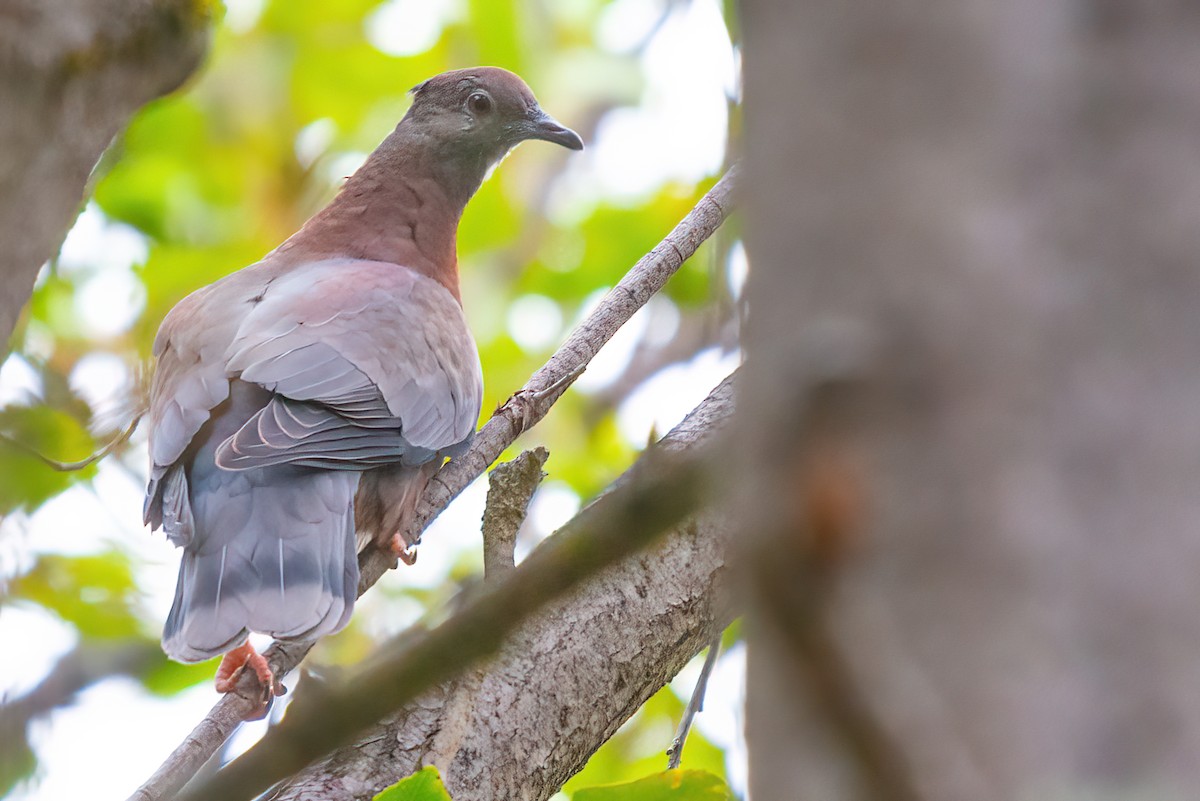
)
(479, 104)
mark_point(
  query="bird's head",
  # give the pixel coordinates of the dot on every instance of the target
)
(481, 113)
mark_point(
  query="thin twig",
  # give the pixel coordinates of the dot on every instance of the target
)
(525, 408)
(80, 668)
(510, 489)
(695, 704)
(70, 467)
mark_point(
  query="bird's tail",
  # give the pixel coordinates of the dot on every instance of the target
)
(273, 552)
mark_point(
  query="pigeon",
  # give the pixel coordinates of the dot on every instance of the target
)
(300, 405)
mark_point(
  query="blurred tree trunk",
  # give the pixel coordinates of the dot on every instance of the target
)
(973, 398)
(72, 72)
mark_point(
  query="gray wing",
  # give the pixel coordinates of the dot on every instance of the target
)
(189, 382)
(370, 363)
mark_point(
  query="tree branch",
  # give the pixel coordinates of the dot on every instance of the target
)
(525, 408)
(663, 488)
(71, 74)
(85, 665)
(510, 489)
(695, 704)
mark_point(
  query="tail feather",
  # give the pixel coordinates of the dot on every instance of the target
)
(272, 551)
(278, 574)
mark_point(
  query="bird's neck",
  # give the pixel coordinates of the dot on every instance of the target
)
(402, 207)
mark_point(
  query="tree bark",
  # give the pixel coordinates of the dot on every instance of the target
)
(521, 725)
(72, 72)
(971, 396)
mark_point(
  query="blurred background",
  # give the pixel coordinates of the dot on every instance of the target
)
(291, 99)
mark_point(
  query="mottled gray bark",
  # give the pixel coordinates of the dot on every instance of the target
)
(72, 72)
(972, 374)
(511, 486)
(524, 723)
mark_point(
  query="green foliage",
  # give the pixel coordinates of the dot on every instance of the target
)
(424, 785)
(165, 677)
(96, 594)
(639, 747)
(31, 430)
(17, 760)
(670, 785)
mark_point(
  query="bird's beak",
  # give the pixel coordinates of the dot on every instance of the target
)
(543, 126)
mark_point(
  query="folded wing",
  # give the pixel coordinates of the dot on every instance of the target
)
(370, 364)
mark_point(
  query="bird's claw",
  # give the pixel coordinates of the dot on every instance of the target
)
(406, 554)
(267, 699)
(235, 663)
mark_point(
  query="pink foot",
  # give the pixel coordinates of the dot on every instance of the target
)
(403, 552)
(238, 659)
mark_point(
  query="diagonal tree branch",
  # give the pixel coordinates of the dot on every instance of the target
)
(660, 491)
(525, 408)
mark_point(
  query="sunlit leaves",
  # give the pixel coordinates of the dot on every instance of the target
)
(671, 785)
(17, 760)
(168, 180)
(601, 248)
(96, 593)
(639, 748)
(26, 432)
(495, 32)
(424, 785)
(167, 677)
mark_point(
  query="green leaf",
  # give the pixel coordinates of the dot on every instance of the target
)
(17, 760)
(670, 785)
(96, 593)
(424, 785)
(639, 747)
(28, 430)
(166, 677)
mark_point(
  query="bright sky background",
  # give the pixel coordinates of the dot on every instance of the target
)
(676, 133)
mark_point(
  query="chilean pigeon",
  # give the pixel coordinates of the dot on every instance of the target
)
(309, 397)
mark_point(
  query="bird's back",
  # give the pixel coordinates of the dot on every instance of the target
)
(264, 420)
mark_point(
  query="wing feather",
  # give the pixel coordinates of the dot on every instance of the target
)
(370, 364)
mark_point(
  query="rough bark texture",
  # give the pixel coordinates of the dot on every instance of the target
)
(510, 489)
(972, 370)
(71, 74)
(523, 724)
